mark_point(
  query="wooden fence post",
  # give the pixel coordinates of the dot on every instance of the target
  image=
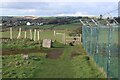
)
(11, 33)
(30, 34)
(63, 38)
(25, 35)
(19, 34)
(54, 33)
(38, 34)
(35, 35)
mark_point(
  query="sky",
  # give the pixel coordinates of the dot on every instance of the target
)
(58, 7)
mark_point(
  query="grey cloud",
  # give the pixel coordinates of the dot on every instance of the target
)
(53, 8)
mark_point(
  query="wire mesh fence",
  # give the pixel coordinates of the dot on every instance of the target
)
(101, 42)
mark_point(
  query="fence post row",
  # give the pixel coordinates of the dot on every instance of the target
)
(32, 36)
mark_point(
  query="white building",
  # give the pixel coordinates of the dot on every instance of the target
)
(0, 24)
(28, 23)
(41, 24)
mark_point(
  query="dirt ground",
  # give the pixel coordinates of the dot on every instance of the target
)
(54, 54)
(51, 53)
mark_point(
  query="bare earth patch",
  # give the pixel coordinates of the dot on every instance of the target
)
(51, 53)
(55, 54)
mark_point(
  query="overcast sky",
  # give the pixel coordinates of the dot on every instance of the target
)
(57, 7)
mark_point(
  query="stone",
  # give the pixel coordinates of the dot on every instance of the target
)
(25, 56)
(47, 43)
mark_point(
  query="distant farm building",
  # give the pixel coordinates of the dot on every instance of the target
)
(0, 24)
(41, 24)
(28, 23)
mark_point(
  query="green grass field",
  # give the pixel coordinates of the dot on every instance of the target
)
(38, 66)
(71, 61)
(50, 26)
(67, 28)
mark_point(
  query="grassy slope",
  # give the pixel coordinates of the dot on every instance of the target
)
(64, 67)
(65, 26)
(59, 68)
(71, 26)
(86, 68)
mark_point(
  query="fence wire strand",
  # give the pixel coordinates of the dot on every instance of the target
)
(101, 42)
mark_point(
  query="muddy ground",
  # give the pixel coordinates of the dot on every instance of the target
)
(52, 53)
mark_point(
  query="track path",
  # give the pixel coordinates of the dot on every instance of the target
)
(60, 68)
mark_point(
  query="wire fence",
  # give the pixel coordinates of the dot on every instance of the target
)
(101, 42)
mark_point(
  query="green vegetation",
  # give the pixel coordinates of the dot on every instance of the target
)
(60, 61)
(84, 67)
(14, 66)
(52, 26)
(68, 65)
(27, 44)
(21, 44)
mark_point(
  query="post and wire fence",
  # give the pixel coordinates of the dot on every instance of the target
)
(101, 43)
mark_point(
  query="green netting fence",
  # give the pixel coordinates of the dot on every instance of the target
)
(101, 42)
